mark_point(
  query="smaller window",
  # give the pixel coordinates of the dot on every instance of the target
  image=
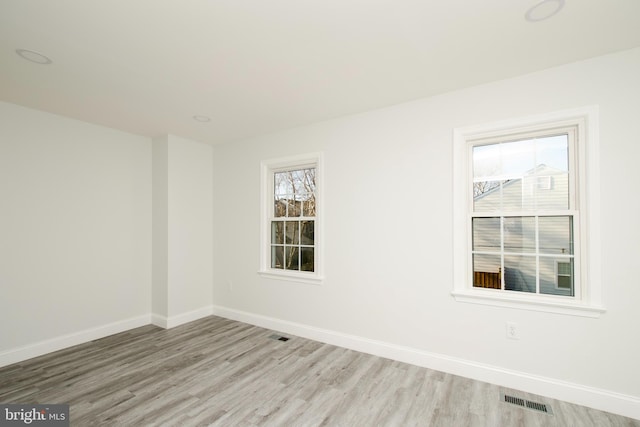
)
(290, 219)
(564, 275)
(293, 220)
(544, 182)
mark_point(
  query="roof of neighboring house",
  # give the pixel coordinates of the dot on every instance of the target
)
(546, 171)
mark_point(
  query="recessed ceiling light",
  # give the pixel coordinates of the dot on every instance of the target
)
(544, 10)
(32, 56)
(202, 119)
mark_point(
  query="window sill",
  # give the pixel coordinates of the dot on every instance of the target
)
(309, 278)
(534, 304)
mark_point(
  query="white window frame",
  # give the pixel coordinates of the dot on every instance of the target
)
(588, 287)
(268, 169)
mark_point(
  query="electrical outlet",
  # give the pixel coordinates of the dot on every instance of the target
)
(512, 331)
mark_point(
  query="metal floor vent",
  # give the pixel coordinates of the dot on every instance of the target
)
(535, 406)
(278, 337)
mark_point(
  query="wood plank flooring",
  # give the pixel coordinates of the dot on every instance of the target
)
(220, 372)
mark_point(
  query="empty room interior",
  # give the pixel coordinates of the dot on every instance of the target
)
(282, 212)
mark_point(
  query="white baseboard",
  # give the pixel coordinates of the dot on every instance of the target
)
(159, 320)
(180, 319)
(54, 344)
(600, 399)
(604, 400)
(19, 354)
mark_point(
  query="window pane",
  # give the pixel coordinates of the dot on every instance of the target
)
(280, 207)
(520, 234)
(307, 259)
(564, 282)
(295, 181)
(486, 234)
(555, 234)
(553, 151)
(486, 162)
(282, 183)
(514, 197)
(564, 268)
(487, 196)
(556, 276)
(307, 232)
(486, 271)
(308, 181)
(277, 257)
(303, 180)
(534, 174)
(517, 158)
(309, 205)
(294, 207)
(292, 232)
(277, 232)
(292, 255)
(520, 273)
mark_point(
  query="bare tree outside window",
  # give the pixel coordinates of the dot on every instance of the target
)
(293, 224)
(480, 188)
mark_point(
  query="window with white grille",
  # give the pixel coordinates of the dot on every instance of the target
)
(291, 223)
(525, 213)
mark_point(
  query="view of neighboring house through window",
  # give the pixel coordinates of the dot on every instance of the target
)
(526, 213)
(523, 214)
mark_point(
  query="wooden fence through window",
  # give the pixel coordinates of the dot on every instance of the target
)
(485, 279)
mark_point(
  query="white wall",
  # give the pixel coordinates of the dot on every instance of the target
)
(388, 234)
(160, 227)
(75, 230)
(182, 230)
(76, 218)
(190, 225)
(76, 224)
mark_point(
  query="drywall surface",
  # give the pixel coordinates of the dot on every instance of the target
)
(182, 230)
(160, 239)
(190, 235)
(75, 226)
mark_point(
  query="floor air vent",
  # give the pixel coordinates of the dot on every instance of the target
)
(278, 337)
(535, 406)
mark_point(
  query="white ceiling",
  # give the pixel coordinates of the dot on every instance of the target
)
(256, 66)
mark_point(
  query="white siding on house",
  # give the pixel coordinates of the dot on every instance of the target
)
(543, 186)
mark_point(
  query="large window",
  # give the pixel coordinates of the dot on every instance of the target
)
(524, 217)
(290, 243)
(525, 203)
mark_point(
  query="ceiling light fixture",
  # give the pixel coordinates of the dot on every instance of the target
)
(201, 119)
(544, 10)
(32, 56)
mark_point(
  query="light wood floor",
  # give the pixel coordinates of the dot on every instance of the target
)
(224, 373)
